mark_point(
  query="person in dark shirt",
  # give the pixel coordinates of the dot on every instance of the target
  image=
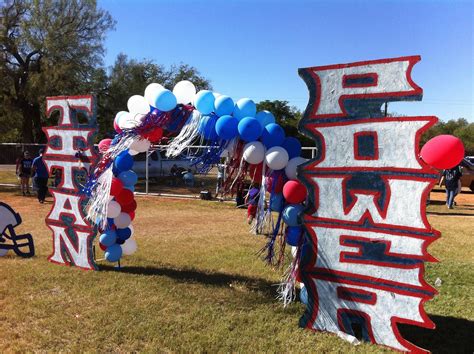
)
(451, 178)
(23, 170)
(41, 176)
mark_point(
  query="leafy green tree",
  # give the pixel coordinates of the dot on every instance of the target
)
(48, 47)
(458, 127)
(128, 77)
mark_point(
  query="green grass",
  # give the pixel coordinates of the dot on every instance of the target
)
(196, 284)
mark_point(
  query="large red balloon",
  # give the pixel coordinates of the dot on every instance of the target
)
(116, 187)
(294, 192)
(104, 145)
(443, 152)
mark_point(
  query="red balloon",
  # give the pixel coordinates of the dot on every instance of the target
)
(102, 247)
(294, 192)
(443, 152)
(130, 207)
(116, 187)
(132, 215)
(155, 135)
(255, 172)
(125, 197)
(117, 128)
(104, 145)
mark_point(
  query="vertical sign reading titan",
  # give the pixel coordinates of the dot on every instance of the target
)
(368, 188)
(68, 157)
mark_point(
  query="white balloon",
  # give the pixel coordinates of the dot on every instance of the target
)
(138, 104)
(276, 158)
(151, 92)
(254, 152)
(118, 115)
(127, 121)
(113, 209)
(3, 252)
(122, 221)
(290, 169)
(131, 229)
(129, 247)
(140, 145)
(133, 152)
(184, 91)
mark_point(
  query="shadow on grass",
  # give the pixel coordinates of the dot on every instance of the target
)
(448, 214)
(452, 335)
(197, 276)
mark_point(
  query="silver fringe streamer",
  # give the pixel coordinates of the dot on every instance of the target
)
(186, 136)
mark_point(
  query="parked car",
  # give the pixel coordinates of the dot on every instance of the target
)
(159, 165)
(467, 179)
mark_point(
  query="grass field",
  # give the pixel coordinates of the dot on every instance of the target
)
(196, 284)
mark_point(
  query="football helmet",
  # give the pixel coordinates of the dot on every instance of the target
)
(23, 244)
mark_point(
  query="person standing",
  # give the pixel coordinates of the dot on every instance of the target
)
(451, 178)
(220, 177)
(23, 170)
(41, 176)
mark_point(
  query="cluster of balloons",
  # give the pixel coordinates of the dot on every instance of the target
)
(155, 99)
(116, 239)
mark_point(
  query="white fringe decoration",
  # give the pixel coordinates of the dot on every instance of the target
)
(186, 136)
(99, 200)
(286, 289)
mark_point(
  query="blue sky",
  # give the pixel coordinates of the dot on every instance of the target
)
(254, 48)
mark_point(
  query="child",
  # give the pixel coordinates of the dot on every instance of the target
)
(23, 170)
(252, 202)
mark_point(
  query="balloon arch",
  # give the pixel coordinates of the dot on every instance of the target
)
(254, 146)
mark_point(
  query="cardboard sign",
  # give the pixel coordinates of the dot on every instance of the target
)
(368, 190)
(68, 157)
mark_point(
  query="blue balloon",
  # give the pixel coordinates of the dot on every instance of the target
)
(291, 213)
(130, 188)
(244, 107)
(223, 105)
(304, 295)
(113, 253)
(226, 127)
(265, 118)
(249, 129)
(207, 127)
(123, 162)
(108, 238)
(293, 235)
(165, 100)
(124, 234)
(204, 101)
(128, 178)
(273, 135)
(277, 202)
(292, 147)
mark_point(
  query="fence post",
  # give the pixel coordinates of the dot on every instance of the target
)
(146, 172)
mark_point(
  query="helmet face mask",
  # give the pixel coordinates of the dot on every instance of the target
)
(23, 244)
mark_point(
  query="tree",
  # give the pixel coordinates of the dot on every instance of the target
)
(458, 127)
(128, 77)
(48, 47)
(287, 116)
